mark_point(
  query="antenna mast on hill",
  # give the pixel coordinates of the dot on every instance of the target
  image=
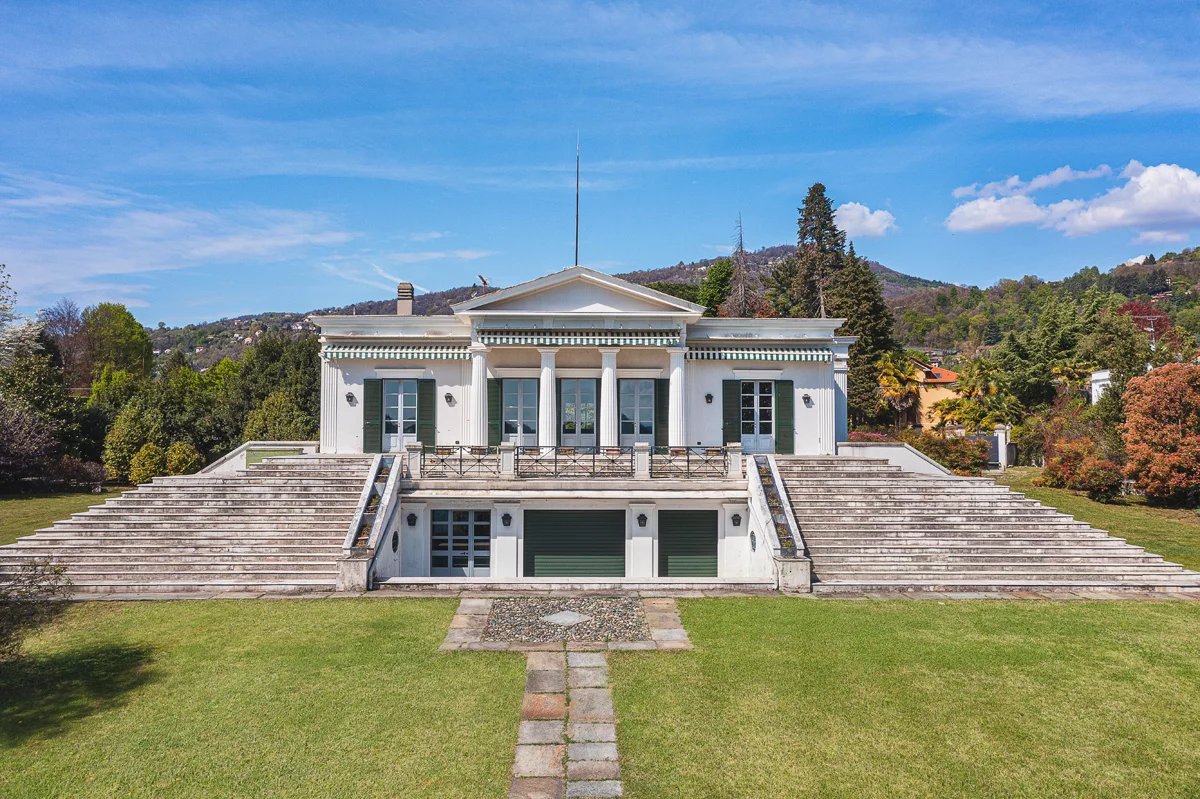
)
(577, 199)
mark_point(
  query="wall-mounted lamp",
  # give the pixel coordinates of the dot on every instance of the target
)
(641, 520)
(506, 519)
(349, 397)
(411, 519)
(736, 519)
(449, 398)
(807, 401)
(708, 399)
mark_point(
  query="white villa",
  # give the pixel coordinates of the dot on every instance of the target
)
(608, 418)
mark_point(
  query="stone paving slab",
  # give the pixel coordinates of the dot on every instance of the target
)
(593, 770)
(545, 681)
(538, 760)
(586, 731)
(541, 732)
(597, 789)
(536, 788)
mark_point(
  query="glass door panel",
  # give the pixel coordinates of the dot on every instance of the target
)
(519, 399)
(578, 415)
(399, 413)
(636, 400)
(460, 543)
(758, 416)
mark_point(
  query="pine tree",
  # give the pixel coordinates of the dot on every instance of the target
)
(742, 302)
(855, 294)
(799, 288)
(716, 285)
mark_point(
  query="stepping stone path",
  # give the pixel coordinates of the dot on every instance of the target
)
(567, 740)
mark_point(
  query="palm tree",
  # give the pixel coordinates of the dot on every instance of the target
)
(980, 378)
(899, 388)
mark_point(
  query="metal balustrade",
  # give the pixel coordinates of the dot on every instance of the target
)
(575, 462)
(680, 462)
(460, 461)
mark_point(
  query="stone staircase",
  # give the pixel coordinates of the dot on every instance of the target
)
(870, 526)
(277, 526)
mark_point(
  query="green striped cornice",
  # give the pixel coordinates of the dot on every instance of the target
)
(581, 338)
(736, 353)
(396, 352)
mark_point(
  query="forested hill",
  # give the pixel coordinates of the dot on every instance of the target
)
(928, 313)
(208, 342)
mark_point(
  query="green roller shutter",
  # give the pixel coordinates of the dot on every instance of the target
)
(785, 417)
(572, 543)
(493, 399)
(687, 543)
(372, 406)
(731, 411)
(662, 412)
(427, 412)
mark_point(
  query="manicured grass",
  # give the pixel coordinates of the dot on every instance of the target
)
(20, 516)
(788, 697)
(285, 698)
(1172, 533)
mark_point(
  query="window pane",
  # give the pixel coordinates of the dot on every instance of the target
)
(647, 428)
(764, 388)
(747, 428)
(764, 428)
(410, 428)
(439, 562)
(626, 428)
(747, 415)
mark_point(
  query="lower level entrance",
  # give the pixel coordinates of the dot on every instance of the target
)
(687, 543)
(572, 543)
(460, 543)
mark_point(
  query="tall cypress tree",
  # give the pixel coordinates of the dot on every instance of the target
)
(855, 294)
(798, 286)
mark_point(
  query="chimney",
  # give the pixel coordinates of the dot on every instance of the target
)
(404, 299)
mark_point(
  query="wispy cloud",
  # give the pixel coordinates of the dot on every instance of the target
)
(1160, 203)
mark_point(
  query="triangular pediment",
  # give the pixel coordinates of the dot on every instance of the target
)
(578, 290)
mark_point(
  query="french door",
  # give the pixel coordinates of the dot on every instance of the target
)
(636, 401)
(577, 418)
(460, 543)
(399, 413)
(758, 416)
(520, 399)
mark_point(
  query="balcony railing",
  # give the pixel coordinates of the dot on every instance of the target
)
(460, 461)
(678, 462)
(574, 462)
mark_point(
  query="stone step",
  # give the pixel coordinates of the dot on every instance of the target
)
(993, 548)
(1122, 574)
(943, 562)
(949, 515)
(118, 551)
(886, 537)
(252, 513)
(1015, 584)
(234, 502)
(52, 537)
(157, 567)
(256, 584)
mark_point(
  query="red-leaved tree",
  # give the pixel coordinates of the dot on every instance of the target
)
(1162, 433)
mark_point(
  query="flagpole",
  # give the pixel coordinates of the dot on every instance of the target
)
(577, 200)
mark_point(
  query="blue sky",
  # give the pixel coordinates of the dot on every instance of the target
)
(199, 161)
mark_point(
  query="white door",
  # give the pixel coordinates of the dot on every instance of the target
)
(578, 417)
(519, 398)
(758, 416)
(399, 413)
(636, 400)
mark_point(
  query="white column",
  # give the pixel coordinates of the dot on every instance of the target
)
(330, 396)
(676, 431)
(547, 400)
(477, 434)
(841, 423)
(609, 428)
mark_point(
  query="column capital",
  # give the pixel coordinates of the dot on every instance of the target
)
(547, 350)
(609, 350)
(476, 348)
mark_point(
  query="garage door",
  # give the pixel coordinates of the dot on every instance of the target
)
(687, 543)
(571, 543)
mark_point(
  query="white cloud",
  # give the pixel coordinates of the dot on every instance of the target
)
(1161, 203)
(857, 220)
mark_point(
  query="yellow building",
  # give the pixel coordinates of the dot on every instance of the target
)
(937, 383)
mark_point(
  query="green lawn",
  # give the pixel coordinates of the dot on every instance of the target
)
(793, 698)
(1174, 534)
(284, 698)
(22, 515)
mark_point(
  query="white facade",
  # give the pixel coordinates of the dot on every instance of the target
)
(585, 326)
(580, 364)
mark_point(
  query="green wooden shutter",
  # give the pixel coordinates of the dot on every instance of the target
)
(687, 543)
(372, 406)
(785, 417)
(427, 412)
(574, 543)
(662, 412)
(731, 411)
(494, 421)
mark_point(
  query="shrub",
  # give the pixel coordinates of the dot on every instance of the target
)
(1063, 462)
(149, 462)
(964, 456)
(862, 435)
(1100, 478)
(134, 426)
(1162, 433)
(183, 458)
(77, 472)
(27, 442)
